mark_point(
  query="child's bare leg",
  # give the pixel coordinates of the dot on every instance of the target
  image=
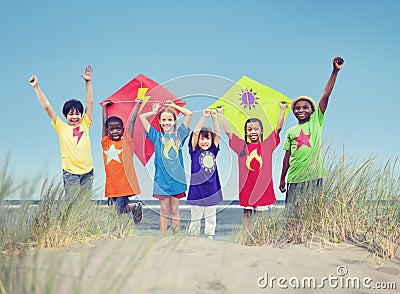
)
(164, 211)
(174, 209)
(246, 221)
(130, 207)
(258, 213)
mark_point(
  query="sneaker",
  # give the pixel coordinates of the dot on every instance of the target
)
(137, 212)
(210, 237)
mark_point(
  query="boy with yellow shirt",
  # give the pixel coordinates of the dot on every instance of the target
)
(76, 155)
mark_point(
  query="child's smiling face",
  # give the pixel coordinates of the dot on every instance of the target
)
(204, 142)
(167, 122)
(302, 110)
(254, 131)
(115, 130)
(73, 117)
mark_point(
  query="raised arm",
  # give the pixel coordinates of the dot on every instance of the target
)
(144, 116)
(133, 116)
(281, 118)
(337, 65)
(42, 98)
(87, 76)
(217, 131)
(105, 116)
(197, 128)
(285, 167)
(186, 112)
(220, 110)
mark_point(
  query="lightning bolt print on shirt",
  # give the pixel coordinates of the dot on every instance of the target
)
(76, 155)
(76, 132)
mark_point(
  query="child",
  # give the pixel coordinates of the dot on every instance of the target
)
(205, 189)
(121, 180)
(169, 178)
(256, 190)
(76, 155)
(302, 159)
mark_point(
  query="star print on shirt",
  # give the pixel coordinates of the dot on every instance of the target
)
(112, 153)
(302, 139)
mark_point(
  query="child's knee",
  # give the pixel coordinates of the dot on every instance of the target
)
(164, 211)
(174, 211)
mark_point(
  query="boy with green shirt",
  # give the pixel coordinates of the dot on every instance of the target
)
(302, 162)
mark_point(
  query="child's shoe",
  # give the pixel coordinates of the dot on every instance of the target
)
(137, 212)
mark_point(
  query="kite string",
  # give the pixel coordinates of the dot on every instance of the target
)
(270, 104)
(128, 101)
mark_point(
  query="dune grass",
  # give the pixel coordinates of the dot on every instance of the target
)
(359, 203)
(58, 221)
(55, 221)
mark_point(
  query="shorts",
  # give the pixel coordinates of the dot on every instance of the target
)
(162, 197)
(122, 203)
(259, 208)
(73, 182)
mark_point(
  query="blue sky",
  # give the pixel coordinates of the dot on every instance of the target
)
(287, 45)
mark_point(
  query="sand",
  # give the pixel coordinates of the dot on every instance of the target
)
(151, 264)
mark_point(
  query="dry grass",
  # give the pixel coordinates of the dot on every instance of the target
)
(359, 203)
(56, 221)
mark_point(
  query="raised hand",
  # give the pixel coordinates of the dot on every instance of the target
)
(87, 76)
(34, 81)
(107, 103)
(155, 107)
(220, 109)
(169, 103)
(338, 62)
(206, 112)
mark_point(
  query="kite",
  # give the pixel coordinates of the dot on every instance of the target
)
(251, 99)
(144, 88)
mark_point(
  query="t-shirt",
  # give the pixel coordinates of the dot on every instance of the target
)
(76, 155)
(255, 170)
(205, 187)
(169, 176)
(121, 177)
(304, 143)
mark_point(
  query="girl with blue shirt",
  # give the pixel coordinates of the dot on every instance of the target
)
(169, 177)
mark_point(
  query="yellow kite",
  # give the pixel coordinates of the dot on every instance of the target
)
(247, 99)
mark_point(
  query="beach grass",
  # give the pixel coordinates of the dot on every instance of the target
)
(55, 221)
(358, 203)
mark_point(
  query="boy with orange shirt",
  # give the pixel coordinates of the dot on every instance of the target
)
(121, 180)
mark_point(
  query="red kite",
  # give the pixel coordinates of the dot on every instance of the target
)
(149, 91)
